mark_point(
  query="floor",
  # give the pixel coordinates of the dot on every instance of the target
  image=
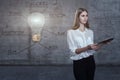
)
(54, 73)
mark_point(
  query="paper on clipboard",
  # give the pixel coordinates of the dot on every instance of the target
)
(105, 41)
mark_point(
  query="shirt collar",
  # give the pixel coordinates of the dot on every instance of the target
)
(83, 31)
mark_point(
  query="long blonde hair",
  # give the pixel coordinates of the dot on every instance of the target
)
(76, 19)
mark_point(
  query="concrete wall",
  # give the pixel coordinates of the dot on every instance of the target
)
(16, 46)
(105, 21)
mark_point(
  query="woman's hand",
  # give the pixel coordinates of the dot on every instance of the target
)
(95, 47)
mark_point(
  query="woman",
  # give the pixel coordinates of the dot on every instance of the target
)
(80, 40)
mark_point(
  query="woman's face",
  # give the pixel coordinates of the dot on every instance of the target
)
(83, 17)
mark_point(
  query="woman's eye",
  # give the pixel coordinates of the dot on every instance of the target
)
(84, 15)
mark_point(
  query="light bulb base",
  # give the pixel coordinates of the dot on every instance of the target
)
(36, 37)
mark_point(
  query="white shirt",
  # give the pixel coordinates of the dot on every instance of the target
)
(78, 39)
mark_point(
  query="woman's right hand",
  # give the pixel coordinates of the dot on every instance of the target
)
(95, 47)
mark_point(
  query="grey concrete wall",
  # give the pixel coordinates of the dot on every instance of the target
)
(16, 46)
(105, 21)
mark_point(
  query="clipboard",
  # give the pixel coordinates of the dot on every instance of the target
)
(105, 41)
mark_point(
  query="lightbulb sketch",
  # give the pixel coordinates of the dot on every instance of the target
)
(36, 21)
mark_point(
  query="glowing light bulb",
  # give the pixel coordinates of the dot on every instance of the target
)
(36, 21)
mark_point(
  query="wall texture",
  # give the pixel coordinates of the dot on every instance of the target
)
(105, 20)
(16, 46)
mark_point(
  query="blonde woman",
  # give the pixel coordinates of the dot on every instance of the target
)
(80, 40)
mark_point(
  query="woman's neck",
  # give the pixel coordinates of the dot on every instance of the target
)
(82, 27)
